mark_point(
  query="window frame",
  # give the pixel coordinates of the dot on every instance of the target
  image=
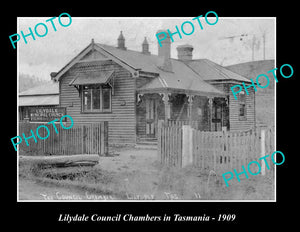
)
(90, 89)
(101, 98)
(242, 105)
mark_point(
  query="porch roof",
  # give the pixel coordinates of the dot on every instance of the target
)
(157, 86)
(180, 91)
(181, 80)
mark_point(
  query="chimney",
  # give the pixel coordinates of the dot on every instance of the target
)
(145, 47)
(53, 75)
(185, 52)
(121, 41)
(164, 51)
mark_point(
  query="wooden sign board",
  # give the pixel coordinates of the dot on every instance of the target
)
(44, 114)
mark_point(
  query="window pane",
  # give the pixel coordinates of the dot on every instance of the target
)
(242, 110)
(96, 98)
(218, 112)
(86, 100)
(106, 98)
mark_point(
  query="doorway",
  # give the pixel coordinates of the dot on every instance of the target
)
(220, 116)
(151, 117)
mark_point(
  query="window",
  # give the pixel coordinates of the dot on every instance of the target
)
(242, 106)
(96, 98)
(106, 98)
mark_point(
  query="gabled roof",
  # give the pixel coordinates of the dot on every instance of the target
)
(135, 59)
(85, 51)
(181, 78)
(205, 68)
(191, 76)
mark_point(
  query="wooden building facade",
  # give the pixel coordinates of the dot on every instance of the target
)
(133, 90)
(37, 99)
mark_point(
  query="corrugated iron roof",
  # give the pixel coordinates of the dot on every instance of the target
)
(210, 71)
(51, 88)
(181, 77)
(135, 59)
(192, 76)
(38, 100)
(205, 68)
(253, 68)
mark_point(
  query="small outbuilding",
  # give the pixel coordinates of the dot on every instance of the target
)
(38, 103)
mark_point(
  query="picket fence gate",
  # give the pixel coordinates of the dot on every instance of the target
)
(219, 151)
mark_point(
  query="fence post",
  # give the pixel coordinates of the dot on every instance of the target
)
(105, 138)
(83, 138)
(262, 146)
(159, 148)
(44, 142)
(187, 145)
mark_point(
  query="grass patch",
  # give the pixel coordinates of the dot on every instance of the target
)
(88, 179)
(155, 180)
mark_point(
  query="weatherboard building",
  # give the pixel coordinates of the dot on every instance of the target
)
(134, 90)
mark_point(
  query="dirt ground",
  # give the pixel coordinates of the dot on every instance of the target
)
(30, 190)
(133, 174)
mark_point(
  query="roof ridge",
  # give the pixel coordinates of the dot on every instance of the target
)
(130, 50)
(139, 52)
(123, 61)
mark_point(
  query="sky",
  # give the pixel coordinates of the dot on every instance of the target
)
(222, 43)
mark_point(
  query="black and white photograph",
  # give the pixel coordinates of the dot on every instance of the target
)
(147, 109)
(152, 114)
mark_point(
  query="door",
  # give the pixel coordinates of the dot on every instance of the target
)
(217, 117)
(220, 116)
(151, 118)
